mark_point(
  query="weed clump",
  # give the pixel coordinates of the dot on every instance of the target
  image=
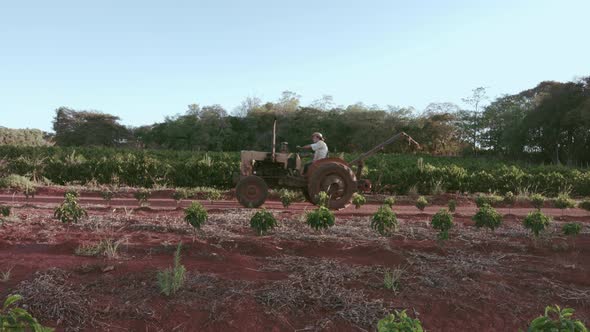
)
(172, 279)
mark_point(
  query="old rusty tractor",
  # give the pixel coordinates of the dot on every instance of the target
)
(260, 171)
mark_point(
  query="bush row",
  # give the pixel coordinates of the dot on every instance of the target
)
(392, 173)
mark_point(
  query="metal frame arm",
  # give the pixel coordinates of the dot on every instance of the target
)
(359, 160)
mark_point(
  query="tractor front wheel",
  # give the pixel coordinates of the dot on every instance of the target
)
(252, 191)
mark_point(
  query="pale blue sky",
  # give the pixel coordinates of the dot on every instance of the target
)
(143, 60)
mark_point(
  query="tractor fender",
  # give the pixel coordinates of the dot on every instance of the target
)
(316, 164)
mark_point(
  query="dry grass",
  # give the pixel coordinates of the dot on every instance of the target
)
(49, 296)
(324, 285)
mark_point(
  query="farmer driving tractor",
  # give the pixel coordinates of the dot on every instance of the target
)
(319, 148)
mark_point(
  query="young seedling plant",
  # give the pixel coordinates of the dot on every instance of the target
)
(263, 221)
(358, 200)
(142, 196)
(384, 221)
(172, 279)
(107, 195)
(70, 211)
(572, 229)
(442, 221)
(320, 218)
(195, 215)
(421, 203)
(487, 217)
(536, 222)
(537, 200)
(389, 201)
(179, 195)
(509, 200)
(399, 321)
(563, 201)
(287, 197)
(452, 205)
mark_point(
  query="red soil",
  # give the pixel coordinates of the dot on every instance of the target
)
(476, 281)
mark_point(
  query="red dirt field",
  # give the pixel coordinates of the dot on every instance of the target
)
(293, 279)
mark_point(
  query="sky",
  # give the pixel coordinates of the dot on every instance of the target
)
(145, 60)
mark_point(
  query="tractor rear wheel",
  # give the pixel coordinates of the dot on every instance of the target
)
(251, 191)
(337, 180)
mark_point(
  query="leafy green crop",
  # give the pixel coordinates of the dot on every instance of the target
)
(195, 215)
(5, 210)
(556, 319)
(442, 221)
(320, 218)
(70, 210)
(358, 200)
(323, 199)
(384, 221)
(399, 321)
(536, 222)
(263, 221)
(487, 217)
(15, 319)
(509, 198)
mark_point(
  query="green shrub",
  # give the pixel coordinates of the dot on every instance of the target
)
(452, 205)
(384, 221)
(585, 204)
(287, 197)
(487, 217)
(15, 319)
(509, 198)
(392, 279)
(537, 200)
(399, 321)
(323, 199)
(69, 210)
(421, 203)
(72, 192)
(491, 200)
(556, 319)
(142, 196)
(389, 201)
(195, 215)
(263, 221)
(571, 229)
(320, 218)
(172, 279)
(563, 201)
(358, 200)
(536, 222)
(442, 221)
(5, 210)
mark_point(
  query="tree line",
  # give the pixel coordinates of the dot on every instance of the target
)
(548, 123)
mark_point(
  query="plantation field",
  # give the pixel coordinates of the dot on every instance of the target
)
(293, 278)
(389, 173)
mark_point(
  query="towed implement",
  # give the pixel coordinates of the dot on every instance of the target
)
(260, 171)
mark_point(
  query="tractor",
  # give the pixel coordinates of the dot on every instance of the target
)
(260, 171)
